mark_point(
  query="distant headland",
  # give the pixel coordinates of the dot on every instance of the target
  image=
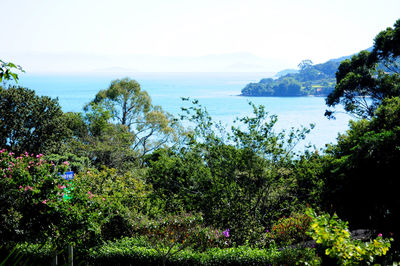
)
(309, 80)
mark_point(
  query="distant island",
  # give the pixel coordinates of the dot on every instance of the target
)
(309, 80)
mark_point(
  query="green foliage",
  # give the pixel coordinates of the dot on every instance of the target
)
(28, 186)
(33, 207)
(310, 80)
(26, 254)
(29, 122)
(76, 163)
(170, 234)
(104, 143)
(286, 86)
(307, 173)
(239, 180)
(133, 251)
(120, 127)
(365, 80)
(361, 183)
(7, 71)
(148, 126)
(120, 190)
(333, 234)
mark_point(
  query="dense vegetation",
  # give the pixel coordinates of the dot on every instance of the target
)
(316, 80)
(149, 191)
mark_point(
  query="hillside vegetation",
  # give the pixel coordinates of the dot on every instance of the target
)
(316, 80)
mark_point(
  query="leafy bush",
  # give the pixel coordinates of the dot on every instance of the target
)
(33, 206)
(29, 186)
(170, 234)
(238, 179)
(26, 254)
(130, 251)
(334, 235)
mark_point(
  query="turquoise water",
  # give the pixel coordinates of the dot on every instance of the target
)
(216, 91)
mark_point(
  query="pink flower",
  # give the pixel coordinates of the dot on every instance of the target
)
(28, 187)
(44, 202)
(66, 163)
(90, 194)
(379, 235)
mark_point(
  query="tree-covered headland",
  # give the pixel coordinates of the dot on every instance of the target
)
(314, 80)
(148, 190)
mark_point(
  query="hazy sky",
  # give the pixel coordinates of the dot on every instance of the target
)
(284, 31)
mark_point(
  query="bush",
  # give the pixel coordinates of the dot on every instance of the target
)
(26, 254)
(33, 206)
(129, 251)
(333, 234)
(290, 230)
(29, 189)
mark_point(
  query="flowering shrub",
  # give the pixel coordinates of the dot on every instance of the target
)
(334, 235)
(289, 230)
(28, 185)
(34, 207)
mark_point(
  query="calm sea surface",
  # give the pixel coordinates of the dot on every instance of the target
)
(216, 91)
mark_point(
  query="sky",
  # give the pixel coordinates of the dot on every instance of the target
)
(187, 35)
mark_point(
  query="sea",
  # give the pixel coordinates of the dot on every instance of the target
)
(217, 92)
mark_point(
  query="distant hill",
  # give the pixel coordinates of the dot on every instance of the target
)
(70, 62)
(340, 59)
(286, 71)
(315, 80)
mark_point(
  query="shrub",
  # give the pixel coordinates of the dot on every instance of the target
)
(333, 234)
(289, 230)
(33, 206)
(29, 186)
(133, 251)
(173, 233)
(26, 254)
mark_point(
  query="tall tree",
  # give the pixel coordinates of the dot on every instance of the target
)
(363, 82)
(305, 64)
(29, 122)
(362, 179)
(131, 107)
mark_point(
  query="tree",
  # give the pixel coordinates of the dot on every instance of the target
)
(29, 122)
(287, 87)
(362, 177)
(240, 179)
(7, 72)
(387, 49)
(305, 64)
(365, 80)
(104, 143)
(131, 107)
